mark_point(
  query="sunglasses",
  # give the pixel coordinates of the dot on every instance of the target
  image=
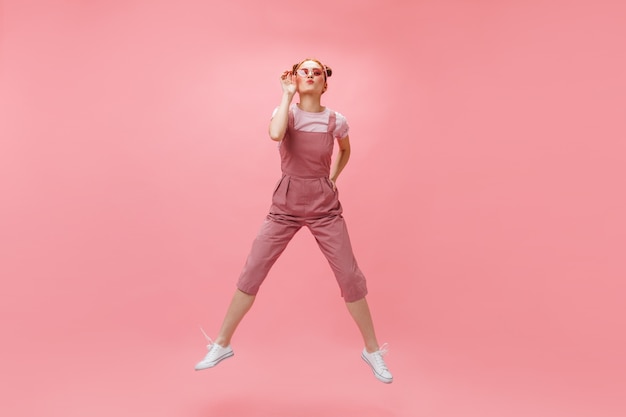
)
(304, 72)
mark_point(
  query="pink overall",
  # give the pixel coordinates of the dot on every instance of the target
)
(304, 197)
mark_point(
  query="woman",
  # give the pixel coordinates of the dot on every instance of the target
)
(307, 196)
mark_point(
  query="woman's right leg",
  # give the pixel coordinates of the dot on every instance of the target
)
(239, 306)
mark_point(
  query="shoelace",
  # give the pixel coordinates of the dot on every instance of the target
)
(383, 350)
(211, 343)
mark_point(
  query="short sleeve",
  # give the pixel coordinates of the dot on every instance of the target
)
(341, 126)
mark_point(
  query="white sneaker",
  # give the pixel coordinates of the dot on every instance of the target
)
(216, 354)
(377, 363)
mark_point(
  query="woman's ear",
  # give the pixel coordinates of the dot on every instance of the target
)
(329, 71)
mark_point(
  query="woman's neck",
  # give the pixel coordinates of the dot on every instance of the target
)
(310, 104)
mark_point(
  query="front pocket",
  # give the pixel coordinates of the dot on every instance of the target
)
(280, 181)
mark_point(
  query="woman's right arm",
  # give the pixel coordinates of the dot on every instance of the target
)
(278, 124)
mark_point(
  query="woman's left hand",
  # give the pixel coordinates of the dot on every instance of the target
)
(333, 184)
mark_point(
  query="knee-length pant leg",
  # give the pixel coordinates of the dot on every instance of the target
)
(331, 234)
(270, 242)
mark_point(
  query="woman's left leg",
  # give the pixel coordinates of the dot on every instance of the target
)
(332, 237)
(360, 312)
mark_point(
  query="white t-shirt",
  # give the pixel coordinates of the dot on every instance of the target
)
(317, 122)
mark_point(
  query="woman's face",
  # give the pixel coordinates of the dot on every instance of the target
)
(310, 78)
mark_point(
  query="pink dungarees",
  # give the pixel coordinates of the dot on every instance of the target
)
(304, 197)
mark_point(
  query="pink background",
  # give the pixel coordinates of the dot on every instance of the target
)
(485, 200)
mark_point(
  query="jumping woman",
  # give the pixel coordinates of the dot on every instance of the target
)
(306, 195)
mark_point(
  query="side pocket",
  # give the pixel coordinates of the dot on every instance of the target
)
(329, 184)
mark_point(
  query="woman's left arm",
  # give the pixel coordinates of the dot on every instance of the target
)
(341, 160)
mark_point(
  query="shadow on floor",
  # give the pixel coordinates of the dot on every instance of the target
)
(291, 408)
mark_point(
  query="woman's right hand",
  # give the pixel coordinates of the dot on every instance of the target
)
(288, 82)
